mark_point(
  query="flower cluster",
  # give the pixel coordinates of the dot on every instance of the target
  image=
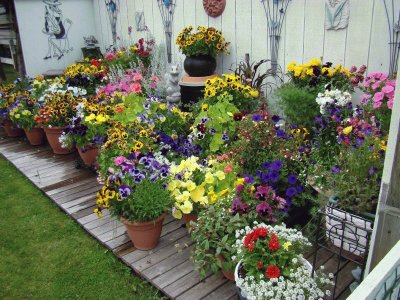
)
(206, 41)
(195, 184)
(315, 74)
(272, 266)
(336, 97)
(244, 96)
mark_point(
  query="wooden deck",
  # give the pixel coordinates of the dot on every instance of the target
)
(168, 267)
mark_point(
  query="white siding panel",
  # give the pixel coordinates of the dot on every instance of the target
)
(294, 32)
(314, 30)
(243, 29)
(229, 31)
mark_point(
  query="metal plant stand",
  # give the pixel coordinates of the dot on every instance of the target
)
(275, 11)
(393, 20)
(347, 251)
(167, 8)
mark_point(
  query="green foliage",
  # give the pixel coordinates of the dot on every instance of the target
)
(298, 104)
(214, 235)
(148, 201)
(132, 107)
(50, 256)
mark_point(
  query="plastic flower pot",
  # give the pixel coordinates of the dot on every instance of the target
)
(11, 130)
(146, 235)
(35, 136)
(88, 155)
(53, 134)
(241, 291)
(200, 65)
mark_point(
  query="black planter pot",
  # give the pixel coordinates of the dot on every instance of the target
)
(199, 66)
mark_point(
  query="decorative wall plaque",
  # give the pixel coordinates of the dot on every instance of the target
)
(337, 13)
(214, 8)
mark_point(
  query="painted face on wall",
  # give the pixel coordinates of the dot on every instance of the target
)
(214, 8)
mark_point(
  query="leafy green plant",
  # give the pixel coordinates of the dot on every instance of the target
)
(214, 235)
(298, 104)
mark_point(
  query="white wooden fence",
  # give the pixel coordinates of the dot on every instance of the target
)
(244, 24)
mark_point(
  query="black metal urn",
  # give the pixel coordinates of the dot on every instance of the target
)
(199, 66)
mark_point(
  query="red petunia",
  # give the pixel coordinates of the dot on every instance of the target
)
(272, 272)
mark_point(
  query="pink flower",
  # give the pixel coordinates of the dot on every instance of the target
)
(390, 103)
(353, 69)
(124, 86)
(376, 85)
(109, 56)
(378, 104)
(154, 78)
(136, 88)
(387, 89)
(378, 96)
(153, 85)
(119, 160)
(110, 88)
(383, 76)
(362, 69)
(228, 169)
(137, 77)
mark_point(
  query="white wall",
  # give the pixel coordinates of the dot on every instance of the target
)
(243, 23)
(30, 17)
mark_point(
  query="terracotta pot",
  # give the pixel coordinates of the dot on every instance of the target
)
(35, 136)
(53, 134)
(88, 155)
(11, 130)
(146, 235)
(230, 275)
(200, 65)
(189, 217)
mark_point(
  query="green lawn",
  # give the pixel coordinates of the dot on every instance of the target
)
(44, 254)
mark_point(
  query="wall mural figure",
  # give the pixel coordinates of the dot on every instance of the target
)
(57, 30)
(113, 9)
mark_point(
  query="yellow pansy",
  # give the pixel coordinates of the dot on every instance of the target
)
(287, 245)
(239, 181)
(186, 207)
(190, 185)
(347, 130)
(220, 175)
(197, 193)
(209, 178)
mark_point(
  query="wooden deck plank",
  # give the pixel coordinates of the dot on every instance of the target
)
(225, 292)
(182, 284)
(65, 190)
(173, 275)
(204, 288)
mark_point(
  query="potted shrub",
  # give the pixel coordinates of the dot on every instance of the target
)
(135, 193)
(272, 267)
(201, 48)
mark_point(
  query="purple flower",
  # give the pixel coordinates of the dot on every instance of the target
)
(274, 176)
(212, 131)
(266, 165)
(248, 178)
(371, 170)
(164, 171)
(292, 179)
(335, 169)
(238, 206)
(359, 141)
(275, 118)
(239, 189)
(126, 167)
(265, 177)
(256, 118)
(300, 189)
(225, 137)
(276, 165)
(262, 192)
(124, 191)
(280, 133)
(204, 120)
(290, 192)
(263, 209)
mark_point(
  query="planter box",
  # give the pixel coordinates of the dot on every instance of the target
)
(348, 231)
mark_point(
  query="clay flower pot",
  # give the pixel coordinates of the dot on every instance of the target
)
(230, 275)
(53, 134)
(35, 136)
(146, 235)
(88, 155)
(11, 130)
(189, 217)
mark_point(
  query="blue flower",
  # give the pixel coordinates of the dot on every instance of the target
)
(256, 118)
(276, 118)
(276, 165)
(335, 169)
(274, 176)
(292, 179)
(290, 192)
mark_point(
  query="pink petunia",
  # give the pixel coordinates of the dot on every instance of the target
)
(136, 88)
(377, 104)
(109, 56)
(376, 85)
(387, 89)
(110, 88)
(390, 104)
(154, 78)
(123, 86)
(378, 96)
(137, 77)
(227, 169)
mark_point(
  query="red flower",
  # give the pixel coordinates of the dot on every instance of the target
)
(259, 265)
(272, 272)
(274, 243)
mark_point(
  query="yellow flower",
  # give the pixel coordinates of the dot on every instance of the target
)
(314, 62)
(287, 245)
(176, 213)
(186, 207)
(190, 185)
(220, 175)
(183, 197)
(347, 130)
(254, 93)
(290, 66)
(223, 192)
(239, 181)
(162, 106)
(197, 194)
